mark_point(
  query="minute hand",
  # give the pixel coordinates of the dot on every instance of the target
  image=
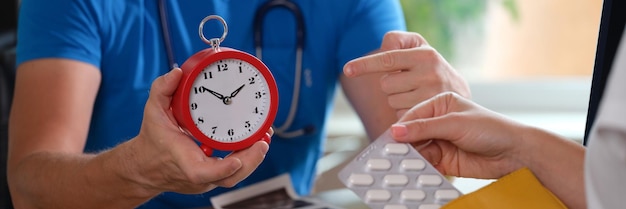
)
(237, 91)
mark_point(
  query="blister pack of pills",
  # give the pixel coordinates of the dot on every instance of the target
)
(392, 175)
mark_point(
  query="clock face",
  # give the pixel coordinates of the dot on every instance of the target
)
(229, 100)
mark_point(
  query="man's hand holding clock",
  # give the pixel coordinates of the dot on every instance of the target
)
(166, 159)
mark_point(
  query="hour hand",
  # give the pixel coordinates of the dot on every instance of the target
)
(237, 91)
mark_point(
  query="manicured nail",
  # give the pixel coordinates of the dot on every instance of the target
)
(399, 131)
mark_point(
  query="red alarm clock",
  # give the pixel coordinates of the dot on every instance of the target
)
(227, 99)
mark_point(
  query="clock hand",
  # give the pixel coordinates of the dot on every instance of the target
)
(237, 91)
(218, 95)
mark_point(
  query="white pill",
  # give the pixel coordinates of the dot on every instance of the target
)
(429, 180)
(395, 180)
(395, 207)
(446, 194)
(412, 195)
(429, 206)
(360, 179)
(378, 164)
(412, 164)
(377, 195)
(396, 149)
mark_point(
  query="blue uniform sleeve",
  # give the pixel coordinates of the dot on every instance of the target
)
(367, 23)
(58, 29)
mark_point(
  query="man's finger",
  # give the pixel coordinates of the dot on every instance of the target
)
(164, 87)
(401, 40)
(388, 61)
(251, 158)
(213, 169)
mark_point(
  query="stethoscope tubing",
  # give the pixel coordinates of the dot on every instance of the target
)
(258, 44)
(166, 34)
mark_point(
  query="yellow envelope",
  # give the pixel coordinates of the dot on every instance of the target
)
(520, 189)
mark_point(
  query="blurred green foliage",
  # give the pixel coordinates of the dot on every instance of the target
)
(435, 19)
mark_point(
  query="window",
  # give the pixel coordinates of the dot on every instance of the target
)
(510, 39)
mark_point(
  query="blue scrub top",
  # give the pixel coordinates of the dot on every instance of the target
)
(123, 39)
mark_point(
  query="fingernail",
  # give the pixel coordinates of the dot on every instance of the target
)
(236, 164)
(349, 71)
(265, 148)
(168, 73)
(399, 131)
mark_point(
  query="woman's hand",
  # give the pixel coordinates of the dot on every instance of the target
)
(461, 138)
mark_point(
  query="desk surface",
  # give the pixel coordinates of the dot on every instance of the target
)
(343, 198)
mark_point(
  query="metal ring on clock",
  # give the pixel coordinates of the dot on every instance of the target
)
(214, 42)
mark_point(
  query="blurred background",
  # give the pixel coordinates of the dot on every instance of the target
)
(529, 60)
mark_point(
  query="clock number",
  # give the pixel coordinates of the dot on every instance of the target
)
(258, 95)
(213, 128)
(200, 120)
(222, 67)
(194, 106)
(208, 75)
(247, 125)
(201, 89)
(240, 70)
(231, 132)
(256, 111)
(251, 79)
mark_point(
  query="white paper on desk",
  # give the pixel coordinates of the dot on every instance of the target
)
(275, 193)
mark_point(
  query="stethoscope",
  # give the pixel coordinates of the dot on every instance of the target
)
(282, 130)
